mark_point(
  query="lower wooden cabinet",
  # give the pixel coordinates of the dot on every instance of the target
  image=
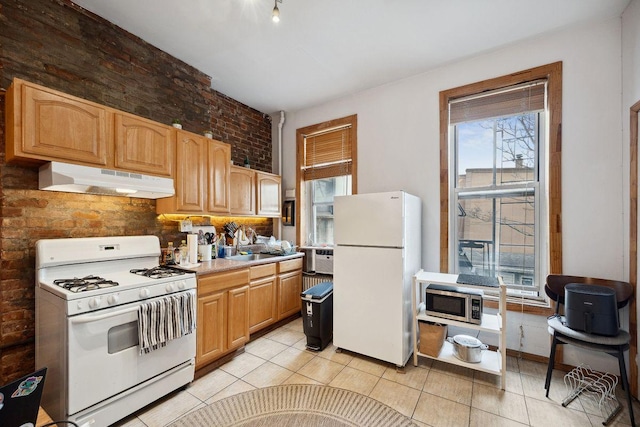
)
(238, 317)
(262, 297)
(223, 314)
(234, 304)
(211, 331)
(289, 287)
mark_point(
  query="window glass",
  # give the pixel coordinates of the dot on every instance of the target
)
(322, 192)
(496, 192)
(497, 152)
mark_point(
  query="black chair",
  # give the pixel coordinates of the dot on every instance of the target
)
(615, 346)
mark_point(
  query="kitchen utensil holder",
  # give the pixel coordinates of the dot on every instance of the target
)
(594, 389)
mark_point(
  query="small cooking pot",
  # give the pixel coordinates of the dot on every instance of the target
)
(467, 348)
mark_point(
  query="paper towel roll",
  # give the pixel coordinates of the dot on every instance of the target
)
(192, 246)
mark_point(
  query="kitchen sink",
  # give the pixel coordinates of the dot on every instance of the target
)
(251, 257)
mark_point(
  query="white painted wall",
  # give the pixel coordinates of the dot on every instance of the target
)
(630, 78)
(398, 148)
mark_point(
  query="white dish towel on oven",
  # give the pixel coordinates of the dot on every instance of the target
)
(164, 319)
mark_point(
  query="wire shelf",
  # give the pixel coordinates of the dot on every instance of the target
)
(594, 390)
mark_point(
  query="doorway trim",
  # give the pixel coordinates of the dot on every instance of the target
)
(633, 244)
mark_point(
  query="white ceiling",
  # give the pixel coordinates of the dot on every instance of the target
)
(324, 49)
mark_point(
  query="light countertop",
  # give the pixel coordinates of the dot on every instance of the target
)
(223, 264)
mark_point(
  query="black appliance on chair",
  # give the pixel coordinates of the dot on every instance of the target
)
(596, 296)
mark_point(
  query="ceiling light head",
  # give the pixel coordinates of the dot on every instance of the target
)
(275, 15)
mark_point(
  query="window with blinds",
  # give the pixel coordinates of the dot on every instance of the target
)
(498, 103)
(326, 158)
(327, 154)
(496, 166)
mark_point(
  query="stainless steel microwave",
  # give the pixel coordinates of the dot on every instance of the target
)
(451, 302)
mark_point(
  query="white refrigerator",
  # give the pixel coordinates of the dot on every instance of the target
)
(378, 241)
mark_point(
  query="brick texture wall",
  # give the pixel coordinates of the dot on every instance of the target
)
(60, 45)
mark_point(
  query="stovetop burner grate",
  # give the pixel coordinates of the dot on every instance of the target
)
(87, 283)
(159, 272)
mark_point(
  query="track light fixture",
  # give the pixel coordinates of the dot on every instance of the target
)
(275, 15)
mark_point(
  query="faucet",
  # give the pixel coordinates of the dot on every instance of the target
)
(237, 234)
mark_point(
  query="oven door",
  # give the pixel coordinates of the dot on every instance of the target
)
(104, 356)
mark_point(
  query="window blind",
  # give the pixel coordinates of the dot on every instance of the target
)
(515, 100)
(327, 154)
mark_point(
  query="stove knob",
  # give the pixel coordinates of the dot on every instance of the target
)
(94, 302)
(113, 299)
(170, 287)
(144, 293)
(182, 284)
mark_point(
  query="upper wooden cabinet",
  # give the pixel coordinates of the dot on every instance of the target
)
(143, 145)
(201, 178)
(243, 189)
(191, 156)
(190, 178)
(44, 124)
(268, 194)
(218, 184)
(254, 192)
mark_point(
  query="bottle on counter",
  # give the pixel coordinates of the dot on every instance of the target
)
(221, 243)
(170, 254)
(184, 252)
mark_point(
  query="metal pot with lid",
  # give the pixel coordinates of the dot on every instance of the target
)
(467, 348)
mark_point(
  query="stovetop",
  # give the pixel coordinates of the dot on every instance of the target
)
(158, 272)
(96, 273)
(84, 284)
(94, 282)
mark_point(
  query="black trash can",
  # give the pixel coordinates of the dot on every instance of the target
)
(317, 315)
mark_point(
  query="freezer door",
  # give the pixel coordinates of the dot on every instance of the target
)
(369, 219)
(371, 303)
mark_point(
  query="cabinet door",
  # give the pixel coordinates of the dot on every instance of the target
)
(268, 194)
(191, 152)
(238, 317)
(262, 303)
(211, 331)
(50, 125)
(242, 191)
(218, 185)
(289, 289)
(142, 145)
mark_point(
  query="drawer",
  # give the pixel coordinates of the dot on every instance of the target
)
(290, 265)
(220, 281)
(264, 270)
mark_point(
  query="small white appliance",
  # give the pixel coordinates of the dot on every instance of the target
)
(377, 251)
(317, 259)
(91, 296)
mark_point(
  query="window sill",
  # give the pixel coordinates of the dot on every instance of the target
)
(541, 308)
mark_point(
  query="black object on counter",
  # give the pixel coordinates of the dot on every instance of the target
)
(474, 279)
(317, 315)
(592, 309)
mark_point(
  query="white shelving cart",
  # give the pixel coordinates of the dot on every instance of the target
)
(493, 362)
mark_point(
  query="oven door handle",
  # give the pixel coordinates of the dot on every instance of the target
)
(94, 318)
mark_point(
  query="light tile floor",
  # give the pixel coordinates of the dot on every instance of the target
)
(432, 394)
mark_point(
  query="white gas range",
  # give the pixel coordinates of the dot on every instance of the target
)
(91, 296)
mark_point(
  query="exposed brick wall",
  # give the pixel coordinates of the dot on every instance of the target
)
(57, 44)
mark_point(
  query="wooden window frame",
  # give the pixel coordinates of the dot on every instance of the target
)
(553, 74)
(301, 133)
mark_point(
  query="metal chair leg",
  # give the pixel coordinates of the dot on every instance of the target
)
(552, 358)
(625, 383)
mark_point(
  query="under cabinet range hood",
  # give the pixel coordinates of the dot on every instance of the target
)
(66, 177)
